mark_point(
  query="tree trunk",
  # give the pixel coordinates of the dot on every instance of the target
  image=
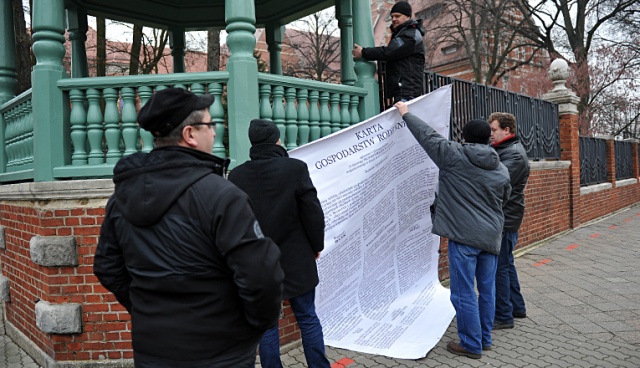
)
(24, 55)
(136, 45)
(101, 47)
(213, 49)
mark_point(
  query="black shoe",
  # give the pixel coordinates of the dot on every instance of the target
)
(502, 326)
(456, 349)
(519, 314)
(486, 348)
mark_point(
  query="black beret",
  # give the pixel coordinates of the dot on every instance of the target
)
(401, 7)
(168, 108)
(263, 131)
(476, 131)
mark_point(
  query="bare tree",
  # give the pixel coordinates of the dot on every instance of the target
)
(24, 56)
(478, 28)
(316, 46)
(572, 28)
(213, 49)
(146, 50)
(101, 47)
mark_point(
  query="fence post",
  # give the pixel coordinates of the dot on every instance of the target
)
(635, 160)
(569, 135)
(611, 159)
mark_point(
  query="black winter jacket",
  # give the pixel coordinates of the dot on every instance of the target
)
(405, 60)
(514, 157)
(182, 251)
(287, 207)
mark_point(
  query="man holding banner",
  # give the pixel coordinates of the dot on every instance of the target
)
(473, 186)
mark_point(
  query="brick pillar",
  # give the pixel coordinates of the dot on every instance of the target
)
(569, 137)
(635, 160)
(611, 160)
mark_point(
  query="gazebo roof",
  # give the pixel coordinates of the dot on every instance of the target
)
(198, 14)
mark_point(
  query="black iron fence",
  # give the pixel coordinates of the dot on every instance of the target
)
(538, 120)
(593, 161)
(624, 160)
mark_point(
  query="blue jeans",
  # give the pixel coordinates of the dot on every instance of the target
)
(508, 296)
(304, 309)
(474, 313)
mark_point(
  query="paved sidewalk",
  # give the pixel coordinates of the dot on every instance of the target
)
(582, 291)
(583, 305)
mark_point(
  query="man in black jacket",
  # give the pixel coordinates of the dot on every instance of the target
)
(180, 247)
(287, 207)
(404, 54)
(509, 300)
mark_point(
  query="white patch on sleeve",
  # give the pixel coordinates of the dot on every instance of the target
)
(257, 230)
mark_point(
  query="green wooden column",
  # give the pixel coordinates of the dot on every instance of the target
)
(51, 138)
(344, 14)
(365, 70)
(242, 88)
(8, 54)
(176, 42)
(77, 26)
(274, 34)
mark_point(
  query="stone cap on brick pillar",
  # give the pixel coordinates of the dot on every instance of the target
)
(60, 319)
(566, 99)
(54, 251)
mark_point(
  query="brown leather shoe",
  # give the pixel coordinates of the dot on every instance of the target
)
(455, 348)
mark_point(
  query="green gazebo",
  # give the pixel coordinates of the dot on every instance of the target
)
(71, 127)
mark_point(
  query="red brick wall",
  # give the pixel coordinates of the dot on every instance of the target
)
(105, 323)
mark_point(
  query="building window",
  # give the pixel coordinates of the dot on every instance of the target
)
(430, 12)
(450, 49)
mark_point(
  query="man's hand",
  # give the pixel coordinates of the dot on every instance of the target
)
(317, 255)
(357, 51)
(402, 108)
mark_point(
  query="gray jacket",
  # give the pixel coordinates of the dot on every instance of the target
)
(473, 186)
(514, 157)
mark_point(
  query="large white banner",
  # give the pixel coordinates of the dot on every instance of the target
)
(379, 291)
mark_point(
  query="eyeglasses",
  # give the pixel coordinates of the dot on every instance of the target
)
(211, 124)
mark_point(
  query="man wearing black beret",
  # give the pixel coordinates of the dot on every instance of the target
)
(473, 187)
(287, 207)
(404, 54)
(181, 249)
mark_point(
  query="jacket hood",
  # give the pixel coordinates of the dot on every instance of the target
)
(481, 155)
(267, 150)
(411, 23)
(147, 184)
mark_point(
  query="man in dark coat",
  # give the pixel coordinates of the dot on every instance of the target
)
(404, 54)
(287, 207)
(181, 249)
(509, 300)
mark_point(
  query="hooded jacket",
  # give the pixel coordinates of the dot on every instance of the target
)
(514, 157)
(405, 60)
(473, 187)
(182, 251)
(287, 207)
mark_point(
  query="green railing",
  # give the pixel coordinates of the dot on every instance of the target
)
(104, 114)
(101, 122)
(16, 135)
(306, 110)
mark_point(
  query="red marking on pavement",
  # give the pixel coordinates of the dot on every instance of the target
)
(594, 236)
(627, 219)
(544, 261)
(613, 227)
(342, 363)
(638, 214)
(572, 246)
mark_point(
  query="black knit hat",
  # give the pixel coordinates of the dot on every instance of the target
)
(168, 108)
(476, 131)
(402, 7)
(263, 131)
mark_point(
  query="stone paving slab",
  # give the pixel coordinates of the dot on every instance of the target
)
(583, 309)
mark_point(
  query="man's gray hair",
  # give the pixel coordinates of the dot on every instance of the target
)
(175, 135)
